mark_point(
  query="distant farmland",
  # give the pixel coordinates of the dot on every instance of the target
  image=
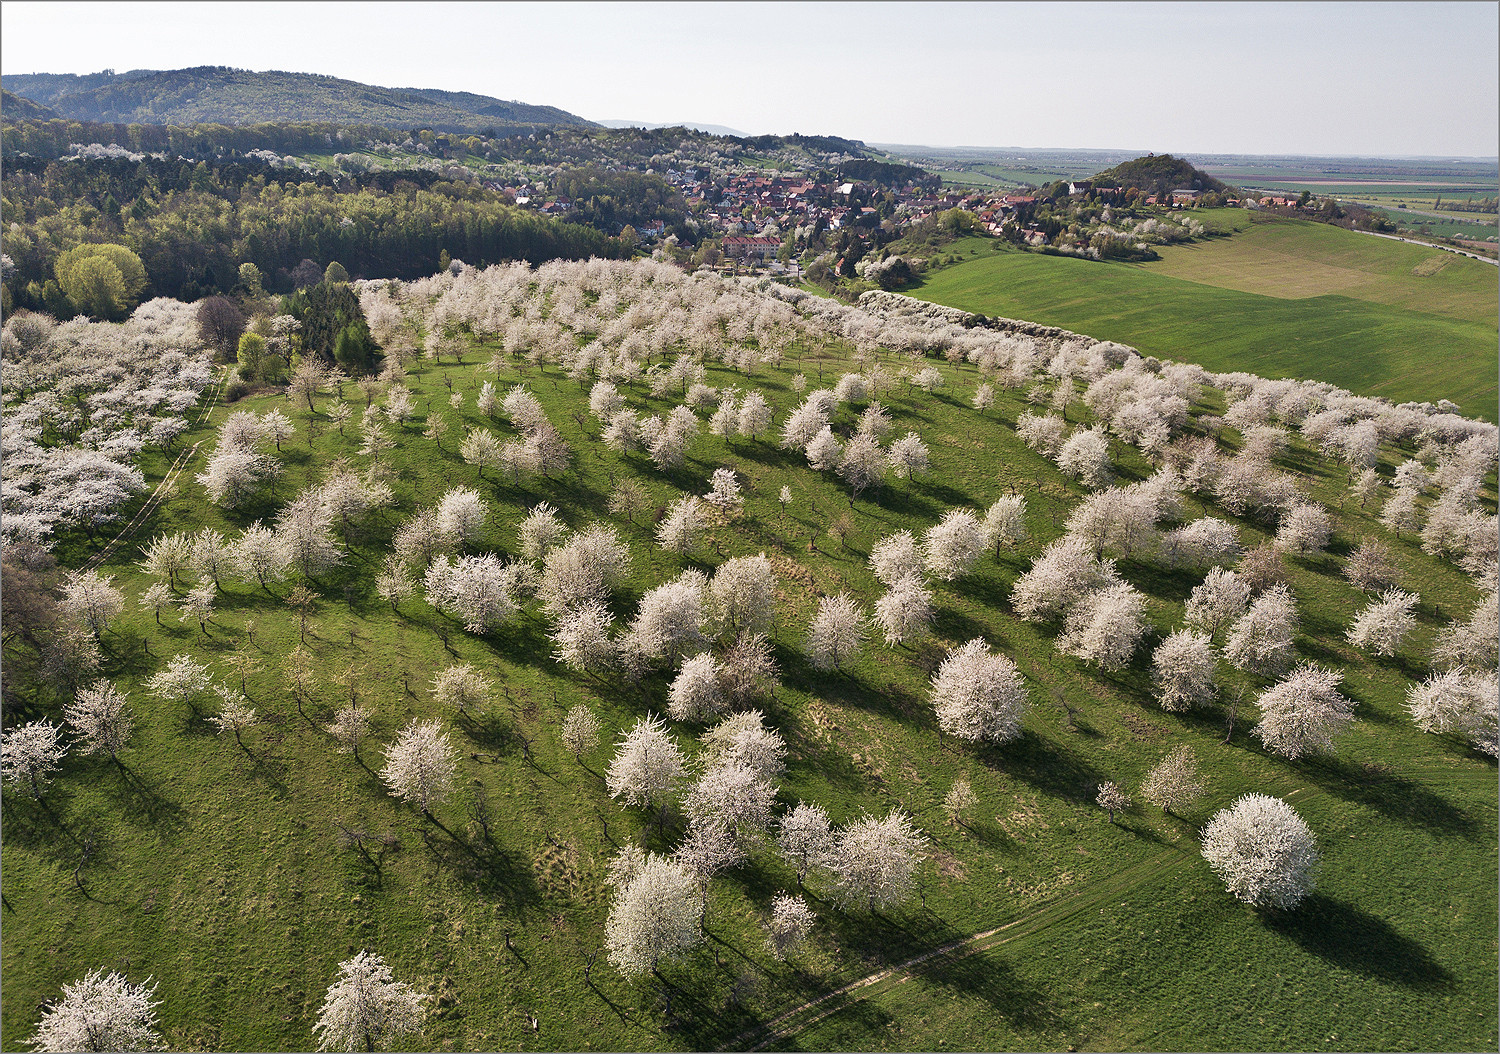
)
(1280, 298)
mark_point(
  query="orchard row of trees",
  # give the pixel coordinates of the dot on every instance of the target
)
(620, 331)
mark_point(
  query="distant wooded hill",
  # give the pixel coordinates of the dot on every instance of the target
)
(16, 108)
(220, 94)
(1158, 174)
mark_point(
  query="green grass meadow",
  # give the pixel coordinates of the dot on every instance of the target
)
(1257, 302)
(219, 870)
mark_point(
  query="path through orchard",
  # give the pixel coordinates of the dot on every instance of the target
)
(159, 493)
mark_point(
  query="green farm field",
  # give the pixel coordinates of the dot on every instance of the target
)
(1280, 298)
(219, 870)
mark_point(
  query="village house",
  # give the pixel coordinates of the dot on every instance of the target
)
(748, 247)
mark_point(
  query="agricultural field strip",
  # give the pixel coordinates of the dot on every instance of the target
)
(1055, 911)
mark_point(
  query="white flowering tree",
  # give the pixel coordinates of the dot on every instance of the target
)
(481, 448)
(1044, 434)
(837, 633)
(260, 556)
(647, 766)
(1383, 624)
(1262, 850)
(744, 739)
(1370, 567)
(461, 687)
(1473, 642)
(905, 612)
(908, 458)
(167, 556)
(895, 557)
(1112, 798)
(581, 731)
(1305, 530)
(696, 693)
(102, 1012)
(366, 1007)
(862, 465)
(90, 598)
(655, 917)
(1005, 523)
(1064, 573)
(1219, 600)
(1085, 457)
(1105, 626)
(1174, 783)
(1262, 640)
(804, 837)
(29, 754)
(669, 620)
(873, 862)
(349, 728)
(789, 927)
(824, 450)
(1458, 701)
(952, 546)
(473, 589)
(1206, 542)
(724, 491)
(1302, 713)
(733, 794)
(419, 766)
(1182, 670)
(680, 529)
(304, 531)
(979, 695)
(741, 596)
(459, 517)
(587, 567)
(101, 717)
(754, 415)
(582, 640)
(183, 680)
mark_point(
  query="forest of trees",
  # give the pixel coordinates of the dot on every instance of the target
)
(194, 224)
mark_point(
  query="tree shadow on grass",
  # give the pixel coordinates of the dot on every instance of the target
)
(499, 874)
(1047, 766)
(988, 976)
(847, 1028)
(1358, 941)
(142, 799)
(1399, 798)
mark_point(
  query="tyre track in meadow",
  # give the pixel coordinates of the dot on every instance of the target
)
(1058, 910)
(1050, 914)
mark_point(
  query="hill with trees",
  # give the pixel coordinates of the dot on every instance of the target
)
(1158, 174)
(224, 95)
(16, 107)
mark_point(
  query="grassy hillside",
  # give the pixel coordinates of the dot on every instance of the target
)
(1288, 299)
(1296, 260)
(220, 870)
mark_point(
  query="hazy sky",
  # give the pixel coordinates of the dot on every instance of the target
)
(1340, 78)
